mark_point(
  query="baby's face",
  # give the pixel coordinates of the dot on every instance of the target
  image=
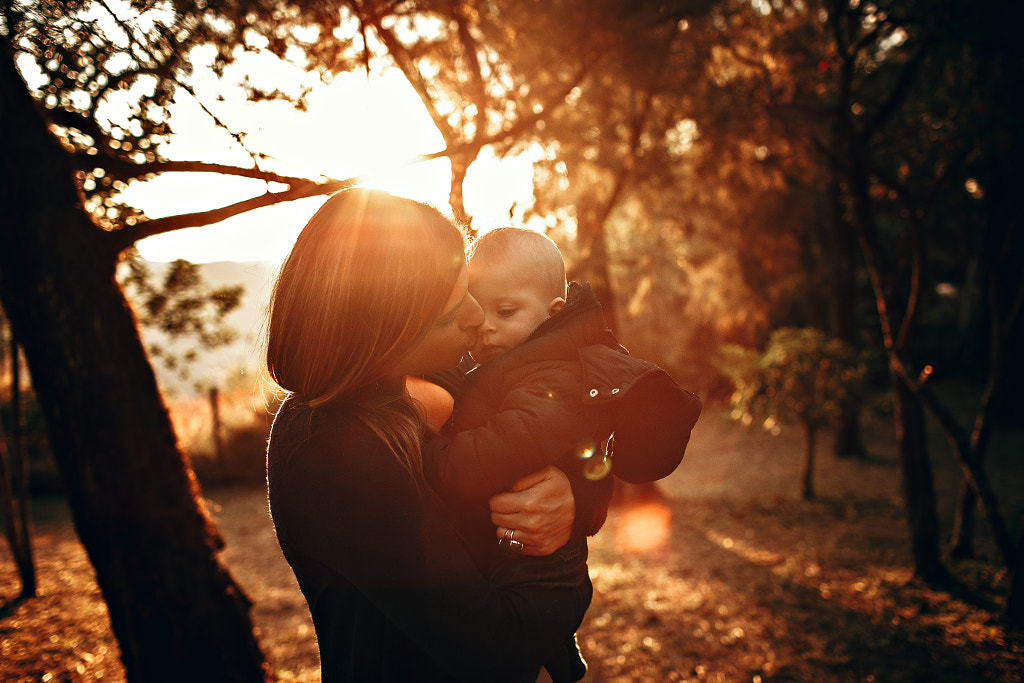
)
(513, 307)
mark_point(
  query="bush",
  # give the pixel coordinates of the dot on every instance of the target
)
(803, 377)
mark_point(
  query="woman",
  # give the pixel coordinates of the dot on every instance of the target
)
(374, 290)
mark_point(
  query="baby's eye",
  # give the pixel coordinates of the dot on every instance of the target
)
(507, 312)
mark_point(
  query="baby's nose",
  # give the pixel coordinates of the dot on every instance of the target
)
(488, 324)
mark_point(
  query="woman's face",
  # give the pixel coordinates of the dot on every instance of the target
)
(450, 337)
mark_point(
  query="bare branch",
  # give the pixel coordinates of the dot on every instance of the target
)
(129, 235)
(130, 169)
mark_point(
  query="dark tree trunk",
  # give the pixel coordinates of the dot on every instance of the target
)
(848, 441)
(1015, 600)
(14, 486)
(218, 429)
(918, 485)
(962, 540)
(807, 475)
(16, 519)
(594, 268)
(176, 612)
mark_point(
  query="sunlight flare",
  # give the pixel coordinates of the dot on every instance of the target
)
(644, 528)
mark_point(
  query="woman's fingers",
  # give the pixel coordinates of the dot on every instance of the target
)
(540, 516)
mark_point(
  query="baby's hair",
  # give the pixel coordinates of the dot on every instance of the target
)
(527, 248)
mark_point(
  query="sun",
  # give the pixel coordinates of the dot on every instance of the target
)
(371, 128)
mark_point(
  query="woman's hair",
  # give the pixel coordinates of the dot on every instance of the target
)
(530, 250)
(364, 283)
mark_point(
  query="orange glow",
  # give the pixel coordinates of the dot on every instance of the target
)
(644, 528)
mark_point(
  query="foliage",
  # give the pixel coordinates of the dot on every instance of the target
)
(803, 376)
(181, 306)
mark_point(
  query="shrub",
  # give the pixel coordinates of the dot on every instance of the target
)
(802, 377)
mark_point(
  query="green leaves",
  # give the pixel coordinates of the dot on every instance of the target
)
(802, 376)
(181, 306)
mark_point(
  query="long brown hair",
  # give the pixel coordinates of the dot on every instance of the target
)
(365, 281)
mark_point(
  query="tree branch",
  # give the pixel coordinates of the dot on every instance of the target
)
(131, 169)
(129, 235)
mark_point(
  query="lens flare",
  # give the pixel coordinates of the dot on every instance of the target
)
(596, 463)
(644, 528)
(597, 468)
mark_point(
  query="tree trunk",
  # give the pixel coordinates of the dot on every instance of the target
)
(849, 443)
(17, 527)
(456, 198)
(807, 476)
(14, 486)
(918, 484)
(219, 456)
(176, 612)
(1015, 600)
(843, 321)
(962, 540)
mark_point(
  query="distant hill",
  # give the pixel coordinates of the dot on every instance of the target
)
(221, 366)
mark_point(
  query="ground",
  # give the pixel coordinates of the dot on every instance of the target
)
(730, 578)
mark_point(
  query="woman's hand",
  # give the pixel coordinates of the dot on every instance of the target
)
(538, 512)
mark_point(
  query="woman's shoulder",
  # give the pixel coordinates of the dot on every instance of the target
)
(313, 433)
(297, 420)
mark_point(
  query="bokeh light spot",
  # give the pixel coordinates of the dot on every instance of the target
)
(596, 464)
(597, 467)
(644, 528)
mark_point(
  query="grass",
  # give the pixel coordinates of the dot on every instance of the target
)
(730, 578)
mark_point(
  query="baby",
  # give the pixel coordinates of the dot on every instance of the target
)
(551, 386)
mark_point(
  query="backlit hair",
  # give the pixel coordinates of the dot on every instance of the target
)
(365, 281)
(528, 249)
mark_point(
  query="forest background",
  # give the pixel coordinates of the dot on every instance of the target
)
(717, 170)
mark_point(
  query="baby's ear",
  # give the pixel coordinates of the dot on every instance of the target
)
(556, 305)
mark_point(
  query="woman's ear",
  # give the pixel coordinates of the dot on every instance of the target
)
(556, 305)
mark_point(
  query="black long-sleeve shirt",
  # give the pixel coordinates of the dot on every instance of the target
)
(393, 593)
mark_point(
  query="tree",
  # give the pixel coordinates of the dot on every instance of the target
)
(803, 376)
(176, 611)
(181, 306)
(175, 614)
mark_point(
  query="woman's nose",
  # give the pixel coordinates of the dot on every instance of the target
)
(472, 314)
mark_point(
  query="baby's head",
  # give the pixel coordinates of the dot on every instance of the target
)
(518, 277)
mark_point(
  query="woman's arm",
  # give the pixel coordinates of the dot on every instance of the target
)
(548, 507)
(540, 509)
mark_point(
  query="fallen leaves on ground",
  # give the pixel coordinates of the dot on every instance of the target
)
(727, 579)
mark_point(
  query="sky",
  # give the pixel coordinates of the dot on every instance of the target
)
(357, 126)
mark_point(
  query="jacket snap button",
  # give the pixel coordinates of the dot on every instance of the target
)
(593, 392)
(615, 390)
